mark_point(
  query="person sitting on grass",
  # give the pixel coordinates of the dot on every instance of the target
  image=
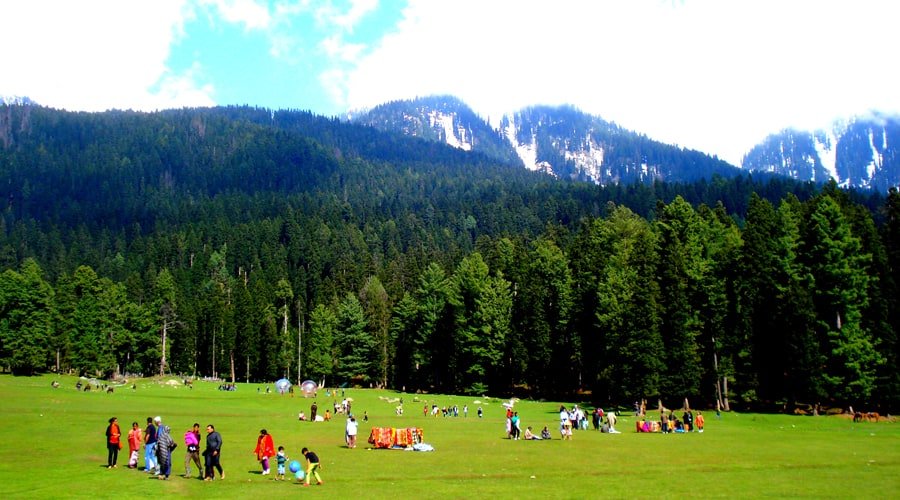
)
(530, 436)
(545, 433)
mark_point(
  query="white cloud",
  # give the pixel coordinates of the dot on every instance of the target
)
(252, 14)
(712, 75)
(95, 55)
(345, 19)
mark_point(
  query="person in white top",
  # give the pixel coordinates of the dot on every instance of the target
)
(352, 430)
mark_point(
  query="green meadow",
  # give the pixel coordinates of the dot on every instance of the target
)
(52, 445)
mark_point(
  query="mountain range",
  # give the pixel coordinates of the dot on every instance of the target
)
(567, 143)
(558, 140)
(862, 153)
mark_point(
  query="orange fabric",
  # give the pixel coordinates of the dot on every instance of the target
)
(114, 433)
(134, 439)
(265, 447)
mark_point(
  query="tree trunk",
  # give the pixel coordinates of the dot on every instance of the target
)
(299, 350)
(725, 401)
(214, 374)
(231, 356)
(162, 358)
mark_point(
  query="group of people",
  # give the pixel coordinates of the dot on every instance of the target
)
(159, 444)
(265, 451)
(670, 423)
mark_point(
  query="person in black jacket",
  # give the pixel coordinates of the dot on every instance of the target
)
(312, 466)
(212, 453)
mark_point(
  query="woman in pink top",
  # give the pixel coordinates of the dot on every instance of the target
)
(135, 440)
(192, 451)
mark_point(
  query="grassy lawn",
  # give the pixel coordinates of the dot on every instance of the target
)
(52, 445)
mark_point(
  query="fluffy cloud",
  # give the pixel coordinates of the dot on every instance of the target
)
(94, 55)
(716, 76)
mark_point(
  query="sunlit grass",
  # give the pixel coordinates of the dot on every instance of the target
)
(52, 445)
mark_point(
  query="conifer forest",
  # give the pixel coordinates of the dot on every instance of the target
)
(249, 245)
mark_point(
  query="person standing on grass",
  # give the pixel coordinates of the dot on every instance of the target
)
(113, 442)
(281, 458)
(192, 451)
(265, 448)
(700, 420)
(312, 467)
(312, 411)
(352, 431)
(164, 446)
(150, 447)
(514, 423)
(213, 453)
(135, 438)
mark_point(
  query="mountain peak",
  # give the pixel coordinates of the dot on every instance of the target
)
(862, 152)
(561, 141)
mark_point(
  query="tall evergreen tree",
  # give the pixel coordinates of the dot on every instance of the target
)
(482, 306)
(26, 319)
(681, 269)
(553, 351)
(352, 342)
(629, 364)
(840, 272)
(376, 306)
(319, 355)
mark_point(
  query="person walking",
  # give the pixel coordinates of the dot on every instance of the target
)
(265, 448)
(192, 451)
(312, 467)
(113, 442)
(352, 431)
(164, 446)
(150, 447)
(212, 453)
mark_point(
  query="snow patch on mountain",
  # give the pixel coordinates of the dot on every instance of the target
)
(588, 159)
(877, 159)
(826, 149)
(527, 152)
(453, 135)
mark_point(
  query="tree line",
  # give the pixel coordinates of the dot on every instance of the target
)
(208, 244)
(794, 306)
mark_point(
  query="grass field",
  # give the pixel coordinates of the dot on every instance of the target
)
(52, 445)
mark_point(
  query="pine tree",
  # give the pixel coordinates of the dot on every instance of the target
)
(840, 272)
(630, 362)
(26, 319)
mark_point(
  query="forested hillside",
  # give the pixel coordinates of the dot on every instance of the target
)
(208, 242)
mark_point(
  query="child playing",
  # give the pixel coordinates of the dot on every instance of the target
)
(282, 459)
(312, 467)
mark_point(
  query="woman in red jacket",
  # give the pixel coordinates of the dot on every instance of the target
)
(265, 448)
(113, 442)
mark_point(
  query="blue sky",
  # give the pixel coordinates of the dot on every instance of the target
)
(715, 75)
